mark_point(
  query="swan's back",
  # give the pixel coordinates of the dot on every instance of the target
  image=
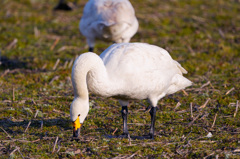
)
(143, 68)
(133, 58)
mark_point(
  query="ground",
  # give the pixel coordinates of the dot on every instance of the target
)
(37, 49)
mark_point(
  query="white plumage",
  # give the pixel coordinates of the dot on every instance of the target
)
(109, 20)
(125, 71)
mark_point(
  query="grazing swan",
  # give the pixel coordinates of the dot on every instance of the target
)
(125, 71)
(109, 20)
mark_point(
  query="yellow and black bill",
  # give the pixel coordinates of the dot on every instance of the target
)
(76, 127)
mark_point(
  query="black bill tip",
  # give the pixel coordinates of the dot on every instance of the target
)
(76, 133)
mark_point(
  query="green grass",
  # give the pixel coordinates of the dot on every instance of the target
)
(204, 36)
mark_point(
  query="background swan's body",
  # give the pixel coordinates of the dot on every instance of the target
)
(128, 70)
(110, 20)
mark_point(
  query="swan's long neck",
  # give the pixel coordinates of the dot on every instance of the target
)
(89, 73)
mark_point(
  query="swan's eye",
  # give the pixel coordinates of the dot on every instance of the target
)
(78, 114)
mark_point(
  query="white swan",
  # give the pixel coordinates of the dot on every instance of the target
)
(125, 71)
(109, 20)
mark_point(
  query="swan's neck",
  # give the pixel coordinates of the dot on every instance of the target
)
(89, 73)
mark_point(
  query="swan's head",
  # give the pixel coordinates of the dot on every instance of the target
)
(78, 112)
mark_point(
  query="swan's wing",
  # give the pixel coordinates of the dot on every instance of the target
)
(143, 69)
(137, 58)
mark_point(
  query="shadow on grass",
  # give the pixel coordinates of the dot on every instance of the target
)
(131, 137)
(6, 63)
(8, 125)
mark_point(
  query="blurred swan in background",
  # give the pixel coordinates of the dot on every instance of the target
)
(109, 20)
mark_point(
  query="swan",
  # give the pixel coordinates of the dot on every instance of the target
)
(109, 20)
(125, 71)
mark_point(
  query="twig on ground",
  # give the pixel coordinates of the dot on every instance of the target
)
(69, 79)
(191, 123)
(206, 84)
(62, 48)
(185, 93)
(17, 70)
(20, 152)
(67, 48)
(6, 133)
(191, 110)
(182, 111)
(48, 138)
(53, 79)
(221, 33)
(12, 44)
(5, 72)
(70, 63)
(31, 121)
(231, 104)
(177, 106)
(214, 120)
(56, 64)
(133, 154)
(36, 32)
(212, 86)
(65, 64)
(41, 124)
(205, 104)
(36, 113)
(14, 151)
(199, 19)
(59, 145)
(206, 141)
(185, 137)
(27, 126)
(209, 155)
(13, 94)
(191, 50)
(55, 43)
(236, 151)
(44, 66)
(33, 102)
(236, 110)
(114, 131)
(55, 144)
(24, 141)
(0, 57)
(28, 141)
(229, 91)
(129, 139)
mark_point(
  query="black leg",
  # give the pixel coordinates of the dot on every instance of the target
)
(153, 115)
(62, 5)
(90, 49)
(124, 116)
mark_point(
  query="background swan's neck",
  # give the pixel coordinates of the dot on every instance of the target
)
(89, 73)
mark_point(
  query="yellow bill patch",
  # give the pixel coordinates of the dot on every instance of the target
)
(76, 124)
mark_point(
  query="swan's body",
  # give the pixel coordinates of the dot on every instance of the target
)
(125, 71)
(109, 20)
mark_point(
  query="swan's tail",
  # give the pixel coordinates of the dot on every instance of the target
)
(114, 31)
(178, 83)
(180, 67)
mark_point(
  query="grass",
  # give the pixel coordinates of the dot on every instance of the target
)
(204, 36)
